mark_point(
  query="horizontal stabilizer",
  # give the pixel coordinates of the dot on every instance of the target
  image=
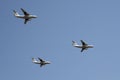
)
(16, 13)
(74, 43)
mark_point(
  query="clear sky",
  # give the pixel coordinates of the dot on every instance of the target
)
(50, 36)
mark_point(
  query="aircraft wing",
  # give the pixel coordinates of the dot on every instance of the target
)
(82, 49)
(83, 43)
(41, 65)
(40, 59)
(26, 20)
(25, 13)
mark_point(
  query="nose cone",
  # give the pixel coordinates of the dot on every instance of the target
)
(91, 46)
(35, 16)
(49, 62)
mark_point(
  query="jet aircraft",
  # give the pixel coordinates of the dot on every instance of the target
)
(84, 46)
(41, 61)
(27, 17)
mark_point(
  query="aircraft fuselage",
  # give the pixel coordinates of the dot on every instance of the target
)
(84, 46)
(27, 16)
(42, 63)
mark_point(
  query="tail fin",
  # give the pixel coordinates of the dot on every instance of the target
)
(33, 60)
(74, 43)
(15, 13)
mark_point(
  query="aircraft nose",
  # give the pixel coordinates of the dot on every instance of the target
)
(35, 16)
(49, 62)
(92, 46)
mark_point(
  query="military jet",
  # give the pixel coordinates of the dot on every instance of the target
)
(84, 46)
(27, 17)
(41, 61)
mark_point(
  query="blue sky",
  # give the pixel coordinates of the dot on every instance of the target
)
(50, 37)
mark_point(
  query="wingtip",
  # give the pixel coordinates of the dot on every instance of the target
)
(39, 58)
(22, 9)
(81, 40)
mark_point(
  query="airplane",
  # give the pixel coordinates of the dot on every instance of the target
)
(26, 15)
(41, 61)
(84, 46)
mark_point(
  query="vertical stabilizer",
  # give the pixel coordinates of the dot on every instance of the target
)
(33, 60)
(16, 13)
(74, 43)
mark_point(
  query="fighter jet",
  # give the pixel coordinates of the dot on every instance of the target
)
(41, 61)
(84, 46)
(26, 16)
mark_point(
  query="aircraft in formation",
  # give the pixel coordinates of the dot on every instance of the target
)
(83, 47)
(27, 17)
(41, 61)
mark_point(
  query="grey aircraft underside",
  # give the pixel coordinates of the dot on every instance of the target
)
(83, 47)
(27, 17)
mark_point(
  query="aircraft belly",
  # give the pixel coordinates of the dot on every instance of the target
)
(90, 46)
(78, 46)
(37, 63)
(20, 17)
